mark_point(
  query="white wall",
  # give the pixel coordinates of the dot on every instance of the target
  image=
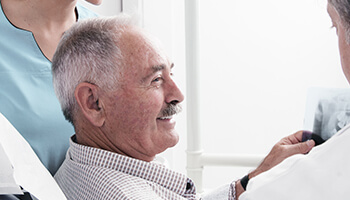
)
(259, 67)
(258, 59)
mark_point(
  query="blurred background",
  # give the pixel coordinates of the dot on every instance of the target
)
(258, 60)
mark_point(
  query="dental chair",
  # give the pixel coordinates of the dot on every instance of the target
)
(22, 175)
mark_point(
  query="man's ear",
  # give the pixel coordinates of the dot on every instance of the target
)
(87, 97)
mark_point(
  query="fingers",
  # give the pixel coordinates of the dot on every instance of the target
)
(301, 148)
(306, 146)
(288, 146)
(298, 136)
(292, 139)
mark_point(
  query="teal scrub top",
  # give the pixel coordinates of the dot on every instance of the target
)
(27, 97)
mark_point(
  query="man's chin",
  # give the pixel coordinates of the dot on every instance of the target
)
(176, 139)
(172, 140)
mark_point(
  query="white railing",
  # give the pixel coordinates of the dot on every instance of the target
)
(196, 159)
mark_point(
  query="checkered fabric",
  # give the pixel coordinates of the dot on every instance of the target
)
(92, 173)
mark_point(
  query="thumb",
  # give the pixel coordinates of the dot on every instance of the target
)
(302, 147)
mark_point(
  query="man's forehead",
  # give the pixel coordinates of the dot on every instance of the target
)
(139, 47)
(131, 40)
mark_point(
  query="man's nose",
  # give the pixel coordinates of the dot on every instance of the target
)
(174, 95)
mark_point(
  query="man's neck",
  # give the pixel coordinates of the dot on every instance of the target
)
(89, 136)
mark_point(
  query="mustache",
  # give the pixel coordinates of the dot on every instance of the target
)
(171, 109)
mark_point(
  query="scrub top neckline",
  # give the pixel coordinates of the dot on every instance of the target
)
(30, 32)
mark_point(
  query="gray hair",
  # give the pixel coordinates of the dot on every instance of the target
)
(88, 52)
(343, 9)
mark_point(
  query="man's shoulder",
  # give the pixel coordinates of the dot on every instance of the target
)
(91, 182)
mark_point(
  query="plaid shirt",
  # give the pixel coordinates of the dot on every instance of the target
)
(92, 173)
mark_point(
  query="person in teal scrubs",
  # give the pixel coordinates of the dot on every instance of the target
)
(29, 34)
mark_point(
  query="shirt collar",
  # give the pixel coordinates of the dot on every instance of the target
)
(149, 171)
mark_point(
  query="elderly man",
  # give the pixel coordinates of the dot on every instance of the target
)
(115, 86)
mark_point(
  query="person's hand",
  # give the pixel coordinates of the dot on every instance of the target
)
(286, 147)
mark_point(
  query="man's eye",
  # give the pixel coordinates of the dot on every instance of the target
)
(157, 79)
